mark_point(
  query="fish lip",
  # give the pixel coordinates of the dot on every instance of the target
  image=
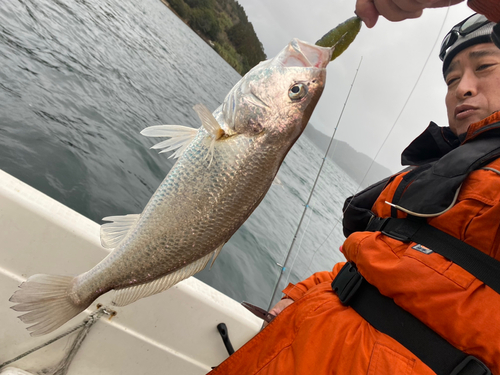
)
(463, 108)
(302, 54)
(316, 56)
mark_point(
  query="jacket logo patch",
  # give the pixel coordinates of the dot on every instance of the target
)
(422, 249)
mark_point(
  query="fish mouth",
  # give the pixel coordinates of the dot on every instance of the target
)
(303, 55)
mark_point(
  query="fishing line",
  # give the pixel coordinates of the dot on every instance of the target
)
(312, 190)
(300, 246)
(393, 125)
(371, 164)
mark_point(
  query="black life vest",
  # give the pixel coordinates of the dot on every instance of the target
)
(440, 165)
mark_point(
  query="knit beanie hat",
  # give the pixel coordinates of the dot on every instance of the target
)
(475, 29)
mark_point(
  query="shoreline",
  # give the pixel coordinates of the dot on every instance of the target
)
(208, 41)
(229, 32)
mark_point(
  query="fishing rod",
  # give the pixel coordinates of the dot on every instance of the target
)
(312, 190)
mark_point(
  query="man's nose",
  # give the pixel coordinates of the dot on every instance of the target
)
(467, 86)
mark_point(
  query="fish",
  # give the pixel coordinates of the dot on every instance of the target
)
(223, 171)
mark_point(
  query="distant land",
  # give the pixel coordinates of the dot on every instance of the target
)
(224, 25)
(354, 163)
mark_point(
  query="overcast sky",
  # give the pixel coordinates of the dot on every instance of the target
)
(393, 57)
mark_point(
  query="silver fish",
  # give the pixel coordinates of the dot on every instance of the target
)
(224, 170)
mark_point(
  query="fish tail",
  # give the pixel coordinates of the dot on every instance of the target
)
(47, 301)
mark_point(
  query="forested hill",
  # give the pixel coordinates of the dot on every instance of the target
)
(225, 26)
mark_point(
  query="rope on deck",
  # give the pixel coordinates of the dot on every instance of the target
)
(62, 367)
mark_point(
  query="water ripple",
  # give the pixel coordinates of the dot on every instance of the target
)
(81, 78)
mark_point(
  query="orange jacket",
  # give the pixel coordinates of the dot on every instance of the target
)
(318, 335)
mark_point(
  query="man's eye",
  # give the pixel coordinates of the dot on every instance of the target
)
(484, 66)
(450, 81)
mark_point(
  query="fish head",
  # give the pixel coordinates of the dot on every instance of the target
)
(277, 97)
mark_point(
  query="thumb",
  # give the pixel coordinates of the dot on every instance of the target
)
(280, 306)
(366, 10)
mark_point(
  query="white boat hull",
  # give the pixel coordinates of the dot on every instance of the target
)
(173, 332)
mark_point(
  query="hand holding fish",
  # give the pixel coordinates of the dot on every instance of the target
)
(396, 10)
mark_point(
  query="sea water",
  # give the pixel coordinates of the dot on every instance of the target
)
(79, 79)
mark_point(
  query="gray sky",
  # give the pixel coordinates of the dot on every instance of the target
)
(393, 57)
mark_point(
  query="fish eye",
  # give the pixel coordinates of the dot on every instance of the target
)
(297, 91)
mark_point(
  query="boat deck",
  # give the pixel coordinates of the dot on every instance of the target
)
(173, 332)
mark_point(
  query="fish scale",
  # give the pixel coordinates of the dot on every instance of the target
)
(223, 171)
(173, 241)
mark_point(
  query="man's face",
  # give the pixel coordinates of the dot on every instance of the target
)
(473, 80)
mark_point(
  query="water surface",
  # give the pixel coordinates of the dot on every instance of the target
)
(80, 79)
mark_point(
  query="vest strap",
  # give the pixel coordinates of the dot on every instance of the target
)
(387, 317)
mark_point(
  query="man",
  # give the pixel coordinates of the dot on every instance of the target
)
(398, 305)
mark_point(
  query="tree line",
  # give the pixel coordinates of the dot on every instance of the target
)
(224, 24)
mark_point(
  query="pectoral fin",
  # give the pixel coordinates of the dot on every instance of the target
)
(180, 137)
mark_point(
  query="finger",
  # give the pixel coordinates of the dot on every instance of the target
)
(366, 10)
(275, 311)
(390, 10)
(423, 4)
(410, 6)
(443, 3)
(280, 306)
(418, 5)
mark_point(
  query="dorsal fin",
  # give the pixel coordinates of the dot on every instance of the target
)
(113, 233)
(208, 121)
(211, 125)
(180, 137)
